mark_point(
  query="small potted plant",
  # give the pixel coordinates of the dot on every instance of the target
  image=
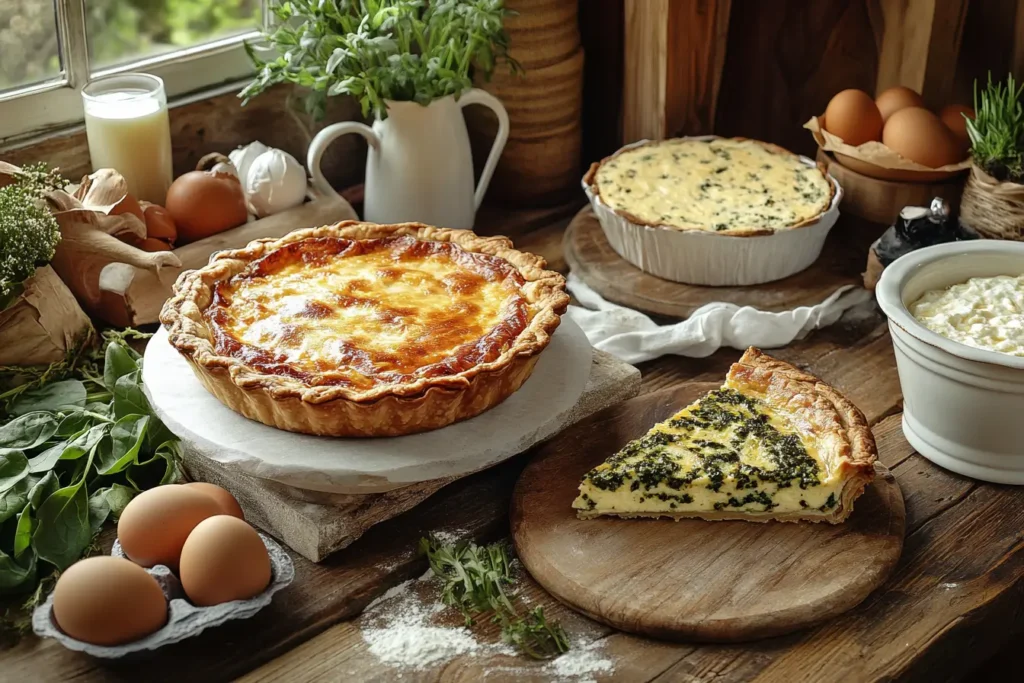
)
(993, 199)
(40, 320)
(410, 64)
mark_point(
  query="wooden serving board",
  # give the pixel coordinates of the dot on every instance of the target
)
(592, 258)
(692, 579)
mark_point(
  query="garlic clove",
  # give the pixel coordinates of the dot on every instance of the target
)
(275, 182)
(243, 157)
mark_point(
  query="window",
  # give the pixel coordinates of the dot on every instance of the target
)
(50, 48)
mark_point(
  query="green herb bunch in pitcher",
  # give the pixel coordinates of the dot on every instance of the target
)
(378, 50)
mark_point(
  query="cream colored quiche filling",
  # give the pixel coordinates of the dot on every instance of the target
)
(725, 453)
(984, 312)
(713, 185)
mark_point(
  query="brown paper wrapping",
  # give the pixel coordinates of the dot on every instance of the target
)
(43, 323)
(878, 161)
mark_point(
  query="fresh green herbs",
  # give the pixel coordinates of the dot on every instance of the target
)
(997, 131)
(476, 580)
(74, 451)
(378, 50)
(28, 231)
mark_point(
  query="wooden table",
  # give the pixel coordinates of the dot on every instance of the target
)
(955, 600)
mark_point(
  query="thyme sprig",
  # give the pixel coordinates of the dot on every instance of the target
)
(997, 131)
(28, 231)
(477, 581)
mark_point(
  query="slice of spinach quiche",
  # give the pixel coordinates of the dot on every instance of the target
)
(773, 443)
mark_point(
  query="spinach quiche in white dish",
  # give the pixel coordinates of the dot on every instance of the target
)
(773, 443)
(713, 211)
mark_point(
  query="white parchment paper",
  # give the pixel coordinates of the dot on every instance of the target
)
(535, 412)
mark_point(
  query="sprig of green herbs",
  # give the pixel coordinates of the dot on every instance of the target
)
(476, 580)
(379, 50)
(997, 131)
(28, 231)
(73, 453)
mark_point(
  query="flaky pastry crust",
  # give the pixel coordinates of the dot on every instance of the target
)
(590, 179)
(384, 409)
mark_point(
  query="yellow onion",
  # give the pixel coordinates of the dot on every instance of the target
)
(207, 200)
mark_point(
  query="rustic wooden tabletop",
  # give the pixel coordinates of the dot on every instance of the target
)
(955, 599)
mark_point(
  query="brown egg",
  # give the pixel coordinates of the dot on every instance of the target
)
(154, 525)
(224, 559)
(227, 502)
(204, 202)
(953, 116)
(896, 98)
(108, 601)
(853, 116)
(919, 135)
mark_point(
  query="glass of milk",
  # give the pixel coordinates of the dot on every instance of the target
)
(128, 130)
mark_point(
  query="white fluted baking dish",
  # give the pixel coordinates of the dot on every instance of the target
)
(700, 257)
(963, 406)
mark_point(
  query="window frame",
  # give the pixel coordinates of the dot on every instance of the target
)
(55, 104)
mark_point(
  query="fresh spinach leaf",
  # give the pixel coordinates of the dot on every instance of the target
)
(42, 490)
(129, 399)
(69, 393)
(45, 461)
(117, 363)
(15, 578)
(13, 468)
(14, 500)
(118, 496)
(63, 533)
(23, 534)
(74, 424)
(99, 510)
(127, 437)
(28, 431)
(157, 434)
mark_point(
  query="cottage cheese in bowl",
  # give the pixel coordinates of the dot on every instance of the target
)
(984, 312)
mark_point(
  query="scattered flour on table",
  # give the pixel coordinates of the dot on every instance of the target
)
(580, 664)
(451, 536)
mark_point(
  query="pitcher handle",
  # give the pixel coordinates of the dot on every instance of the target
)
(323, 140)
(478, 96)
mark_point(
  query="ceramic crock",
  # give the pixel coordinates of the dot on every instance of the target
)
(963, 406)
(419, 166)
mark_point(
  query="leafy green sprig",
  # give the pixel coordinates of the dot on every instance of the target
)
(28, 231)
(73, 453)
(476, 580)
(379, 50)
(997, 131)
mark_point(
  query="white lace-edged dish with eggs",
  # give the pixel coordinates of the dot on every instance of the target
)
(957, 325)
(713, 211)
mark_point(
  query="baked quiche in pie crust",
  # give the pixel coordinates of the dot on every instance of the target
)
(773, 443)
(363, 330)
(727, 186)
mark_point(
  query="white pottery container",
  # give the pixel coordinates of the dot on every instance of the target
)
(698, 257)
(963, 406)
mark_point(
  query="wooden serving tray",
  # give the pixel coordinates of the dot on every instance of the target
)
(693, 579)
(593, 260)
(133, 296)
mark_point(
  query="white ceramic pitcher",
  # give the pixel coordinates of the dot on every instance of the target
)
(419, 166)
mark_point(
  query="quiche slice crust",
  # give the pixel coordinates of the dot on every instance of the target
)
(773, 443)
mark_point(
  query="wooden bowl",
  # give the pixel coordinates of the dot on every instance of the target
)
(872, 171)
(880, 201)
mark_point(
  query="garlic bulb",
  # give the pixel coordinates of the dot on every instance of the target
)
(275, 181)
(243, 157)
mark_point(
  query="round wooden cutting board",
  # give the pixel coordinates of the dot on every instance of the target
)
(692, 579)
(592, 258)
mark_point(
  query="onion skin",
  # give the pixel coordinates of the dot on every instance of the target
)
(203, 203)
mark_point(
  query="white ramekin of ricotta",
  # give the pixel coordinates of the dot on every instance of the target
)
(956, 316)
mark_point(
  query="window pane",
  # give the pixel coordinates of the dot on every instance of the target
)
(126, 30)
(29, 48)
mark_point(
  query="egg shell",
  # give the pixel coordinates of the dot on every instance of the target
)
(224, 559)
(853, 116)
(154, 525)
(920, 136)
(893, 99)
(154, 244)
(953, 116)
(228, 504)
(159, 223)
(108, 601)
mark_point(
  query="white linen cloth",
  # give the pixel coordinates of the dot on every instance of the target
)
(633, 337)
